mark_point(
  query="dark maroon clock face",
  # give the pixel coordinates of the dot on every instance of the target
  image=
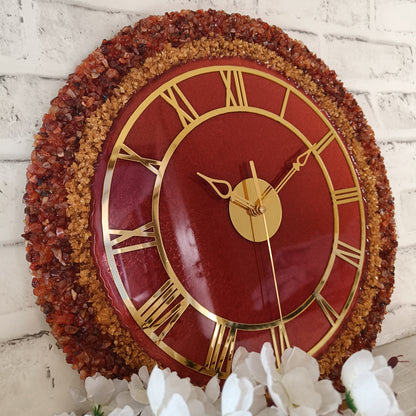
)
(227, 212)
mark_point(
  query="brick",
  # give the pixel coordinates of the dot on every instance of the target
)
(354, 13)
(23, 101)
(307, 11)
(400, 161)
(393, 15)
(11, 29)
(407, 221)
(15, 280)
(371, 60)
(15, 325)
(405, 286)
(35, 379)
(67, 35)
(12, 185)
(397, 110)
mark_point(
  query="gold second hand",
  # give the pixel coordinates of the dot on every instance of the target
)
(256, 185)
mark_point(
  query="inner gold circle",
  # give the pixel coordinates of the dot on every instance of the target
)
(249, 224)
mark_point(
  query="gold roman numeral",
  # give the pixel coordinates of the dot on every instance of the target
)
(345, 196)
(234, 96)
(186, 112)
(280, 341)
(284, 104)
(145, 231)
(329, 312)
(324, 142)
(161, 310)
(128, 154)
(221, 348)
(348, 253)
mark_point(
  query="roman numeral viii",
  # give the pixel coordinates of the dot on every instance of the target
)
(221, 348)
(162, 311)
(145, 231)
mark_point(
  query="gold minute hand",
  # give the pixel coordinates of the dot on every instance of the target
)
(230, 194)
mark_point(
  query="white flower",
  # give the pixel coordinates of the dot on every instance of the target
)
(170, 395)
(99, 389)
(237, 395)
(367, 380)
(125, 411)
(137, 389)
(297, 390)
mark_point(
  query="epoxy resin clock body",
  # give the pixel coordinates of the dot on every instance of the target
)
(194, 259)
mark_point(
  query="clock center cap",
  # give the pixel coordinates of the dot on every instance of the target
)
(250, 223)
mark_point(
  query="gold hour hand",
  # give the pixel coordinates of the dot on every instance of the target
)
(229, 194)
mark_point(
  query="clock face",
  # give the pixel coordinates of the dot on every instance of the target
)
(227, 212)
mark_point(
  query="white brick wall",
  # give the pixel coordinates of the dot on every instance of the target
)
(371, 44)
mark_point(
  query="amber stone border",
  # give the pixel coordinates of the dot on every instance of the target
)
(64, 279)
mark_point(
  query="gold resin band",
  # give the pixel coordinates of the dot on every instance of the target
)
(95, 133)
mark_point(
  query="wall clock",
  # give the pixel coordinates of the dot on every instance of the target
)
(218, 189)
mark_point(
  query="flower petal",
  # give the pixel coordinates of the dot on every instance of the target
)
(237, 394)
(271, 411)
(125, 411)
(156, 389)
(195, 408)
(176, 406)
(268, 361)
(382, 370)
(99, 389)
(331, 399)
(175, 384)
(300, 388)
(212, 389)
(256, 368)
(231, 394)
(137, 390)
(239, 356)
(247, 390)
(394, 405)
(295, 357)
(358, 363)
(368, 397)
(302, 411)
(144, 375)
(259, 399)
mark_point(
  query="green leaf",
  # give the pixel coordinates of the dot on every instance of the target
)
(350, 401)
(98, 411)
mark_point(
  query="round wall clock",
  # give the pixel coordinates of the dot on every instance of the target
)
(201, 184)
